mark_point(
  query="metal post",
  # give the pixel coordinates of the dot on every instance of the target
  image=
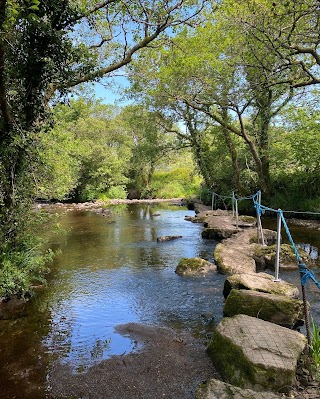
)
(259, 224)
(232, 200)
(237, 215)
(213, 200)
(277, 262)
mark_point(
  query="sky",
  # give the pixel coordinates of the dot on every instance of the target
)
(109, 93)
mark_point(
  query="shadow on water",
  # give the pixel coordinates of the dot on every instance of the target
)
(110, 271)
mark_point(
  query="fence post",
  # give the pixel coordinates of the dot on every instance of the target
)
(213, 200)
(237, 214)
(232, 200)
(259, 224)
(277, 261)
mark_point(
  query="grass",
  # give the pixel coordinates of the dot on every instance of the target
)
(315, 345)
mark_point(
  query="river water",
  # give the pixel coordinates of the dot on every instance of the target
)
(111, 271)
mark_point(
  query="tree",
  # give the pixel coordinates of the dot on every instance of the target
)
(287, 30)
(48, 48)
(150, 143)
(208, 71)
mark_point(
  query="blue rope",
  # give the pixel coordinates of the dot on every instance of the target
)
(295, 250)
(306, 274)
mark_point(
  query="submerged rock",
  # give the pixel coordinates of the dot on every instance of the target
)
(13, 308)
(278, 309)
(262, 282)
(216, 389)
(255, 354)
(194, 266)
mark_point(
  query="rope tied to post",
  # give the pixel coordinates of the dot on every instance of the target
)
(306, 274)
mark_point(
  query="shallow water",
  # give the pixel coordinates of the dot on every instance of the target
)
(110, 271)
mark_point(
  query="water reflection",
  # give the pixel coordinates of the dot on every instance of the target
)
(114, 273)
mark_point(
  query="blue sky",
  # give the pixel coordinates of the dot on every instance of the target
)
(110, 92)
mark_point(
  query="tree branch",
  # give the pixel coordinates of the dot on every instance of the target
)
(4, 107)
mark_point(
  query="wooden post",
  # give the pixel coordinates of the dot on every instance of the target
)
(306, 315)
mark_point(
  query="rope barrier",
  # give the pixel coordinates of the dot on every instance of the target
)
(305, 273)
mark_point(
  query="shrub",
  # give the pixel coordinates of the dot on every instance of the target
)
(116, 192)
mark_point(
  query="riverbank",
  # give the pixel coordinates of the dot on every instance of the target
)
(99, 204)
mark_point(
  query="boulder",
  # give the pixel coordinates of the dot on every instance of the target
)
(278, 309)
(255, 354)
(270, 237)
(167, 238)
(199, 207)
(246, 221)
(219, 225)
(194, 266)
(219, 233)
(216, 389)
(234, 255)
(265, 257)
(261, 282)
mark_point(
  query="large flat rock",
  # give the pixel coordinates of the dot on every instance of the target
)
(261, 282)
(255, 354)
(235, 254)
(278, 309)
(216, 389)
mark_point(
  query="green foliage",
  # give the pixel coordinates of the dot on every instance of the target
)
(23, 258)
(176, 183)
(85, 154)
(21, 268)
(315, 349)
(115, 192)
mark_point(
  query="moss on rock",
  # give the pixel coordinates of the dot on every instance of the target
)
(278, 309)
(194, 266)
(265, 257)
(255, 354)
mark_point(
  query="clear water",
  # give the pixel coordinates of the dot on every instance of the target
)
(110, 271)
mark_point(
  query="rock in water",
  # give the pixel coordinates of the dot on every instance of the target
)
(255, 354)
(167, 238)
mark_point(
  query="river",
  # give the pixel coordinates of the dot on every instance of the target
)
(111, 271)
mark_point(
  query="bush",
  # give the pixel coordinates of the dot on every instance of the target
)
(20, 269)
(176, 183)
(116, 192)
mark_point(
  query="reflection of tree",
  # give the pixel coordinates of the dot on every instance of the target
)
(24, 361)
(99, 348)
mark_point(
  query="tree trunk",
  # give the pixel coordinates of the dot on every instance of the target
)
(233, 154)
